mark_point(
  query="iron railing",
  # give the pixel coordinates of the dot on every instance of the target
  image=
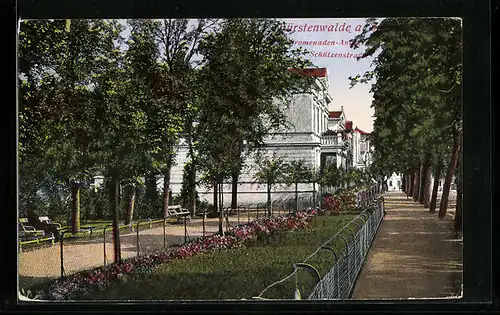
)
(339, 282)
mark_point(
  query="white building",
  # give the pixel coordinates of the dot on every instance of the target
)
(394, 182)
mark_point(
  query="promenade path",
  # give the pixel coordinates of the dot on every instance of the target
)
(40, 265)
(414, 254)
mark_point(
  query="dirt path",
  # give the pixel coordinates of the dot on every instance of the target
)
(414, 254)
(43, 264)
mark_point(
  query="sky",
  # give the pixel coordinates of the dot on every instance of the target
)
(356, 101)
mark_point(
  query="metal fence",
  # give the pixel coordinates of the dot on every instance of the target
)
(339, 282)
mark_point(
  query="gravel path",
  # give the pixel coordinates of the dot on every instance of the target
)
(414, 255)
(44, 264)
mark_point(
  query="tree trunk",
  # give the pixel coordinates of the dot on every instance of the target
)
(131, 194)
(216, 205)
(193, 174)
(449, 176)
(269, 199)
(114, 202)
(314, 195)
(166, 187)
(426, 179)
(416, 184)
(435, 187)
(192, 203)
(234, 190)
(75, 207)
(403, 183)
(411, 183)
(459, 206)
(151, 189)
(296, 197)
(221, 209)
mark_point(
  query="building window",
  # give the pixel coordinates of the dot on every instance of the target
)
(399, 183)
(439, 184)
(390, 183)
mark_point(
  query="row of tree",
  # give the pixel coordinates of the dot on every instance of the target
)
(416, 85)
(115, 98)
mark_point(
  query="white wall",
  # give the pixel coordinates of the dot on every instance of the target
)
(394, 182)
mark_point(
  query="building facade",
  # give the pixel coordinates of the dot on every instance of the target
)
(316, 136)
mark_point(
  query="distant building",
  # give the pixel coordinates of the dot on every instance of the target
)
(395, 182)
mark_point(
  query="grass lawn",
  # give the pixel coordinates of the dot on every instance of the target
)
(237, 273)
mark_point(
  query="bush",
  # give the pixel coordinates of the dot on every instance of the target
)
(342, 201)
(94, 204)
(146, 207)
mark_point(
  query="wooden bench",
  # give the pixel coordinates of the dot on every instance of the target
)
(48, 222)
(26, 230)
(34, 239)
(179, 212)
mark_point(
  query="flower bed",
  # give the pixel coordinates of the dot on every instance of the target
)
(342, 202)
(82, 282)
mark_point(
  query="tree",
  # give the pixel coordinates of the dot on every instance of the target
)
(425, 196)
(297, 171)
(459, 205)
(162, 53)
(248, 85)
(59, 61)
(188, 186)
(416, 93)
(269, 170)
(330, 175)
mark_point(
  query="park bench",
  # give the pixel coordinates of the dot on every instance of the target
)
(178, 212)
(26, 230)
(47, 223)
(32, 239)
(29, 235)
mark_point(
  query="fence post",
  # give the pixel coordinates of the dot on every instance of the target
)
(248, 212)
(137, 231)
(203, 223)
(238, 214)
(228, 209)
(61, 241)
(185, 229)
(104, 241)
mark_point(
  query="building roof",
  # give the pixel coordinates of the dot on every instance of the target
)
(348, 125)
(311, 72)
(335, 114)
(361, 131)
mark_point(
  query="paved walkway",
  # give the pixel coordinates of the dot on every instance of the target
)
(414, 254)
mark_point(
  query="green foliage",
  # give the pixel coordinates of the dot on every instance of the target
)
(269, 169)
(94, 204)
(416, 84)
(330, 175)
(188, 186)
(297, 171)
